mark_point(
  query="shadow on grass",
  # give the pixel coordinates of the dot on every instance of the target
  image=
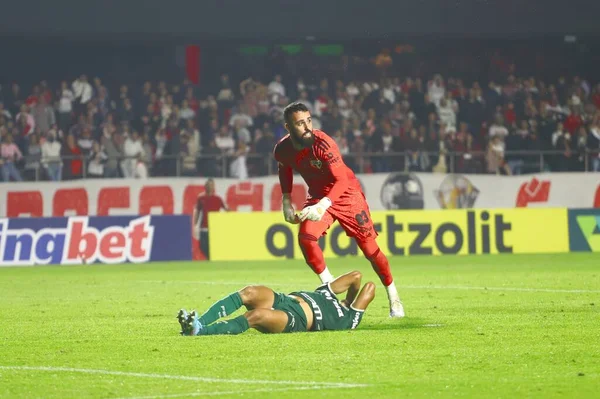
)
(400, 324)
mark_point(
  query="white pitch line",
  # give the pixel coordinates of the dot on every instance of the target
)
(218, 393)
(185, 377)
(416, 287)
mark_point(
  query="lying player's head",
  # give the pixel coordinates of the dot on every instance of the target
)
(209, 187)
(298, 123)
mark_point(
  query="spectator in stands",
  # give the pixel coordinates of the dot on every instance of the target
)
(242, 117)
(140, 170)
(65, 106)
(82, 92)
(85, 141)
(468, 160)
(186, 113)
(189, 152)
(132, 150)
(593, 144)
(242, 134)
(194, 133)
(264, 143)
(126, 114)
(441, 148)
(276, 88)
(561, 141)
(495, 157)
(25, 121)
(358, 108)
(446, 113)
(573, 121)
(51, 157)
(581, 146)
(4, 112)
(238, 168)
(9, 155)
(166, 108)
(212, 164)
(225, 98)
(73, 158)
(417, 159)
(498, 128)
(111, 145)
(33, 158)
(149, 151)
(97, 160)
(517, 141)
(43, 114)
(510, 115)
(224, 140)
(436, 89)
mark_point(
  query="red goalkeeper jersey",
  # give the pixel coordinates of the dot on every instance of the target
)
(321, 166)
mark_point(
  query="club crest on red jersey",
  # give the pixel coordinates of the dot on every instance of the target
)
(316, 163)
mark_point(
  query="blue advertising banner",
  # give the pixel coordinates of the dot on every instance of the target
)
(83, 239)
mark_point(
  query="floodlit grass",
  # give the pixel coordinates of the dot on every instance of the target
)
(478, 326)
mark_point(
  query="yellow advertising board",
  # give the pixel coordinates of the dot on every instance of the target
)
(264, 236)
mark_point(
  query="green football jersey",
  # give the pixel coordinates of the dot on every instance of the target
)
(328, 313)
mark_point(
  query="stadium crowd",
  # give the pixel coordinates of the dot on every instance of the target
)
(384, 122)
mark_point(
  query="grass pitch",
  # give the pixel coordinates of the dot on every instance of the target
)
(478, 326)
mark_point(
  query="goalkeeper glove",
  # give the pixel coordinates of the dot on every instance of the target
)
(289, 214)
(315, 212)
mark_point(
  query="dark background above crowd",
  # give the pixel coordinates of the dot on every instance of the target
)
(269, 20)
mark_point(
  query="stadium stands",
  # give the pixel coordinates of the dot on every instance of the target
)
(382, 116)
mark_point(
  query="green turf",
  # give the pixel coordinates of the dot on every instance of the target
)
(495, 326)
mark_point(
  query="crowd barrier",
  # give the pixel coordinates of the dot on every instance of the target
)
(416, 213)
(384, 191)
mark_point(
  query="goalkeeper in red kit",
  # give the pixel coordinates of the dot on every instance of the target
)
(334, 193)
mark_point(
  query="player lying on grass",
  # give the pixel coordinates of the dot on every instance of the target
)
(273, 312)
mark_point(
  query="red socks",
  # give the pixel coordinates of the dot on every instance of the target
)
(378, 260)
(312, 252)
(314, 257)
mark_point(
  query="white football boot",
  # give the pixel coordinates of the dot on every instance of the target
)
(396, 309)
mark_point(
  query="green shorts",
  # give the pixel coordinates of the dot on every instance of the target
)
(296, 316)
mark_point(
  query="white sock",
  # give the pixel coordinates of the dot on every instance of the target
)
(326, 276)
(392, 292)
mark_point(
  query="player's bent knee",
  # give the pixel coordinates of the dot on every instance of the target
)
(356, 275)
(249, 293)
(368, 291)
(256, 317)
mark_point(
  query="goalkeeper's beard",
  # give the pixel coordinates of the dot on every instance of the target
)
(303, 140)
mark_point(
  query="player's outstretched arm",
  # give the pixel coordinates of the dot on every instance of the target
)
(286, 179)
(349, 282)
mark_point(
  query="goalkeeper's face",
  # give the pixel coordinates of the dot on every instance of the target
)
(300, 128)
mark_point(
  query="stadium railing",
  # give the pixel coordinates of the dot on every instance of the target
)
(220, 165)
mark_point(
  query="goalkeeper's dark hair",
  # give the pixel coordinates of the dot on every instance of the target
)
(292, 109)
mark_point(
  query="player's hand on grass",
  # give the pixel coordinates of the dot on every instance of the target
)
(315, 212)
(289, 214)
